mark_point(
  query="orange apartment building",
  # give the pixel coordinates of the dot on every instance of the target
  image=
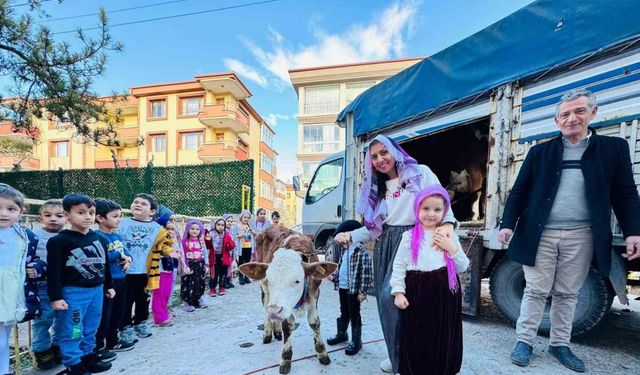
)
(205, 120)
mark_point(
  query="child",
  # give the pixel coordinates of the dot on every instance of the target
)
(139, 234)
(220, 246)
(193, 283)
(19, 269)
(275, 218)
(79, 274)
(426, 287)
(44, 341)
(228, 281)
(244, 243)
(354, 278)
(168, 266)
(109, 216)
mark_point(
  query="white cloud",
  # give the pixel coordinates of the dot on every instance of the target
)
(246, 71)
(273, 118)
(382, 38)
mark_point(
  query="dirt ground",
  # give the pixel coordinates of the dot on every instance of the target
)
(224, 339)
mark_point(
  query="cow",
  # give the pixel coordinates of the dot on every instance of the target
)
(290, 275)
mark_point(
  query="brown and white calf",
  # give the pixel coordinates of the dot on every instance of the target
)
(290, 285)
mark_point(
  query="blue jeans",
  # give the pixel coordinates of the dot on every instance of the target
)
(44, 332)
(78, 324)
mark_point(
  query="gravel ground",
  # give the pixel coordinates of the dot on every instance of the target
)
(224, 339)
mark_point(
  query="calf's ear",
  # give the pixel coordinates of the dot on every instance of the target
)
(254, 270)
(319, 270)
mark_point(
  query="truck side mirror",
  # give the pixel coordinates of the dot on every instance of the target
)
(296, 183)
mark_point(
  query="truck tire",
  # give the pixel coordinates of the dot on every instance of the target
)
(507, 287)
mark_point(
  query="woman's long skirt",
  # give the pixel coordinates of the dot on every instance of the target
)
(192, 285)
(383, 256)
(431, 341)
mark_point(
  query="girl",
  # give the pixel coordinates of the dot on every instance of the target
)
(275, 218)
(19, 269)
(220, 247)
(392, 180)
(228, 282)
(427, 290)
(259, 226)
(244, 243)
(168, 266)
(193, 283)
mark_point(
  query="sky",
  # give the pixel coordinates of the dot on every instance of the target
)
(262, 39)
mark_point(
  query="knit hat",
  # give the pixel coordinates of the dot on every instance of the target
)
(347, 226)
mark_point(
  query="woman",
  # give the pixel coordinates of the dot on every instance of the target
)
(392, 180)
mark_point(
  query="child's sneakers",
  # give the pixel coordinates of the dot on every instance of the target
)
(166, 323)
(105, 355)
(202, 304)
(127, 335)
(94, 365)
(142, 330)
(122, 346)
(189, 308)
(212, 292)
(221, 291)
(43, 360)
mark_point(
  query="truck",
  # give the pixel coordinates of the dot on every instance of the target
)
(486, 101)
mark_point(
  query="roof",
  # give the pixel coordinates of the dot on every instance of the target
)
(532, 41)
(355, 64)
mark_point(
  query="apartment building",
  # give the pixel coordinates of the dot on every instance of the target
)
(205, 120)
(290, 215)
(322, 93)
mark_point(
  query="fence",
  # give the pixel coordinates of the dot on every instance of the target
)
(194, 190)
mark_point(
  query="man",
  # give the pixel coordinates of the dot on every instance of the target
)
(561, 203)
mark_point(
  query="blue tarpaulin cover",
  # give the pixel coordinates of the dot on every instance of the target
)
(530, 41)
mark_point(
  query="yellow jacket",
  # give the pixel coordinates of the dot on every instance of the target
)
(161, 248)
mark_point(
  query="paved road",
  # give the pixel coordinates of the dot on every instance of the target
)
(210, 341)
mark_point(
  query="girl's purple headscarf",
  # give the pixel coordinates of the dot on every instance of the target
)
(417, 233)
(369, 206)
(187, 236)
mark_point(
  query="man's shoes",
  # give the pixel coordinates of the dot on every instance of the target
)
(94, 365)
(565, 356)
(521, 354)
(142, 330)
(105, 355)
(122, 346)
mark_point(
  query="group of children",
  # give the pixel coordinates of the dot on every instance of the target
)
(87, 291)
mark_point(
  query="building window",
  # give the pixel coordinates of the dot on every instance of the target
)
(61, 149)
(219, 137)
(267, 164)
(320, 138)
(158, 108)
(356, 88)
(192, 141)
(266, 191)
(191, 106)
(158, 143)
(267, 136)
(321, 100)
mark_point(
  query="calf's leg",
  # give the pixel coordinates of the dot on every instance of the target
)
(287, 351)
(314, 323)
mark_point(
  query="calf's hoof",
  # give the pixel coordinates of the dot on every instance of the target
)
(278, 336)
(266, 339)
(285, 367)
(324, 360)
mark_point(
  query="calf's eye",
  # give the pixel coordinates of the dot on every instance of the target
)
(297, 281)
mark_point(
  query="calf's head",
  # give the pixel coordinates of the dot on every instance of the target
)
(285, 277)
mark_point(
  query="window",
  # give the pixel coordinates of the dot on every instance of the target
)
(321, 99)
(219, 137)
(158, 143)
(308, 168)
(61, 149)
(266, 191)
(158, 108)
(326, 179)
(192, 141)
(320, 138)
(356, 88)
(267, 136)
(266, 163)
(191, 106)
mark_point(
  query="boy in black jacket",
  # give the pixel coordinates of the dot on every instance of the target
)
(78, 277)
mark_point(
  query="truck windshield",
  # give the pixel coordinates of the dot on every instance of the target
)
(325, 180)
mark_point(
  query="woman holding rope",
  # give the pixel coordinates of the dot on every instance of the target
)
(392, 180)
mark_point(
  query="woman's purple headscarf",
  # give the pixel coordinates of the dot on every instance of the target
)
(187, 236)
(369, 206)
(417, 233)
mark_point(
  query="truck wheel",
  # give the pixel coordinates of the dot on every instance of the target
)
(507, 287)
(326, 247)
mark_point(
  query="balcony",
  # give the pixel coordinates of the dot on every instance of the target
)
(128, 136)
(6, 131)
(9, 159)
(224, 83)
(218, 116)
(123, 163)
(217, 152)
